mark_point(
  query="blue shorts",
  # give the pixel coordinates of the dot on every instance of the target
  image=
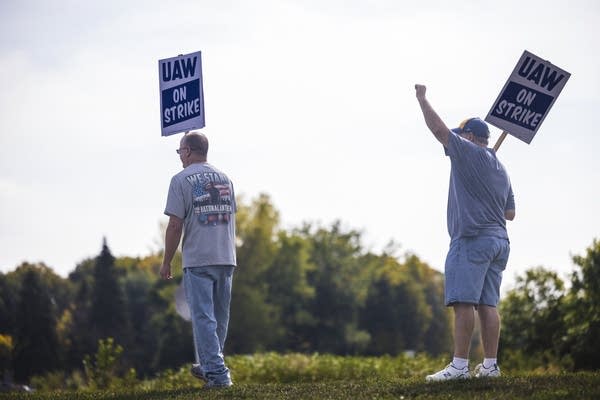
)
(474, 268)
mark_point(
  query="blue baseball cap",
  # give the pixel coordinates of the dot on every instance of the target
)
(475, 126)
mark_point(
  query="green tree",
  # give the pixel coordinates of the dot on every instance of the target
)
(36, 347)
(583, 310)
(8, 305)
(59, 289)
(399, 309)
(138, 285)
(108, 313)
(6, 349)
(254, 325)
(288, 288)
(171, 344)
(75, 327)
(55, 287)
(341, 285)
(380, 316)
(532, 314)
(438, 337)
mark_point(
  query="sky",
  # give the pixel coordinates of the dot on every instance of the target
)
(311, 102)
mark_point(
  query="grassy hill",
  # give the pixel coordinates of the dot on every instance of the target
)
(558, 386)
(323, 376)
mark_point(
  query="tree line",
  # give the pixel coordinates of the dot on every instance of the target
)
(309, 289)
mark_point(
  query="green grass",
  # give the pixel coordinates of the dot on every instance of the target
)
(561, 386)
(312, 377)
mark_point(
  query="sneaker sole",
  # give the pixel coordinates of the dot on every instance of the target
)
(427, 379)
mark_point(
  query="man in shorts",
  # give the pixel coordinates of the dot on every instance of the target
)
(480, 200)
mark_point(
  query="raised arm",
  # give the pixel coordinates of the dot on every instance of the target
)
(433, 121)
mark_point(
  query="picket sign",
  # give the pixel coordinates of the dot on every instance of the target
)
(526, 98)
(181, 93)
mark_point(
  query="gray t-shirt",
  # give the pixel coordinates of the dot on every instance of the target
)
(479, 191)
(203, 197)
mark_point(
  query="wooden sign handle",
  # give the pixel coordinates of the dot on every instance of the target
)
(500, 140)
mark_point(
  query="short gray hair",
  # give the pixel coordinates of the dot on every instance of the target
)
(197, 142)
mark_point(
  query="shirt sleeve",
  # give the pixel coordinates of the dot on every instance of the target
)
(175, 203)
(466, 157)
(458, 146)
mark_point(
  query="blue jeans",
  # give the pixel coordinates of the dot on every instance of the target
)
(208, 293)
(474, 267)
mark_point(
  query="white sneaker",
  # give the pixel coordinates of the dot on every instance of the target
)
(483, 372)
(448, 373)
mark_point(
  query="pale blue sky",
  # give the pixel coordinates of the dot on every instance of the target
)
(311, 102)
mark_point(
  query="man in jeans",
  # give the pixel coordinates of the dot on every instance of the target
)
(480, 200)
(201, 206)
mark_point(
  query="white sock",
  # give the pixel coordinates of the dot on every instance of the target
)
(460, 363)
(489, 362)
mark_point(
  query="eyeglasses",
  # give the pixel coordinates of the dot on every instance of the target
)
(186, 147)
